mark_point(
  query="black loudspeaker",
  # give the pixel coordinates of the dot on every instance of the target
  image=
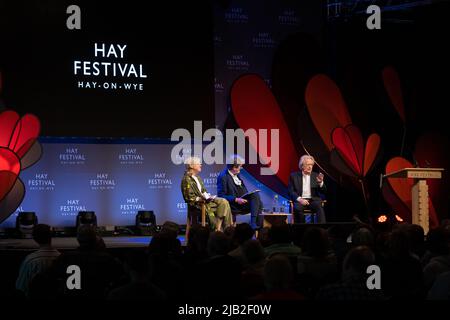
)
(25, 223)
(86, 218)
(146, 223)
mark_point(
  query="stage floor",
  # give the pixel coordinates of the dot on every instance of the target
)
(71, 243)
(125, 241)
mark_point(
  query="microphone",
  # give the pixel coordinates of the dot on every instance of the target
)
(415, 162)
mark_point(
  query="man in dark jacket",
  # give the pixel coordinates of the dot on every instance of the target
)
(305, 187)
(231, 187)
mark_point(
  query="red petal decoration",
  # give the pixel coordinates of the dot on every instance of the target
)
(326, 107)
(255, 107)
(9, 170)
(392, 85)
(8, 121)
(348, 148)
(371, 152)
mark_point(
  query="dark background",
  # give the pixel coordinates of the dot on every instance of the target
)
(172, 40)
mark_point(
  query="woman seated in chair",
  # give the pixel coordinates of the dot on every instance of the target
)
(194, 193)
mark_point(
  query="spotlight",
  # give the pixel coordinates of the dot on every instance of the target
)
(25, 223)
(146, 222)
(389, 218)
(86, 218)
(382, 218)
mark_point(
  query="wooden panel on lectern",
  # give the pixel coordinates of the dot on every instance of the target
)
(417, 173)
(419, 192)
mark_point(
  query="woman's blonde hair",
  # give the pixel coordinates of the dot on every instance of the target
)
(190, 161)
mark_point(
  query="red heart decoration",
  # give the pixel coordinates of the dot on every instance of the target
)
(9, 171)
(371, 152)
(25, 134)
(397, 192)
(17, 137)
(8, 121)
(326, 106)
(255, 107)
(12, 200)
(393, 87)
(350, 146)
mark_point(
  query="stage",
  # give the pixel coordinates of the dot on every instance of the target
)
(69, 243)
(123, 242)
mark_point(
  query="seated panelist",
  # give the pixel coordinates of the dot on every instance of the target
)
(194, 193)
(305, 188)
(231, 187)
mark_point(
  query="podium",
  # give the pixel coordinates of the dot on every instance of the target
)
(419, 192)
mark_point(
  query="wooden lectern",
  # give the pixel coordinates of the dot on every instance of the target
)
(420, 212)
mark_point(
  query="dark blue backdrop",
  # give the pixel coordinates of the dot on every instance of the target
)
(114, 178)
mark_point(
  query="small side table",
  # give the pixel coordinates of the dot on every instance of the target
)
(273, 218)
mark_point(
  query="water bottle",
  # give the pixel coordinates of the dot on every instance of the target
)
(275, 206)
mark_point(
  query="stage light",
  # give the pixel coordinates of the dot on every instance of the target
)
(145, 218)
(382, 218)
(25, 223)
(146, 222)
(86, 218)
(398, 218)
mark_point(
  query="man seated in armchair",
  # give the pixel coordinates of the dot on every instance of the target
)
(231, 187)
(304, 189)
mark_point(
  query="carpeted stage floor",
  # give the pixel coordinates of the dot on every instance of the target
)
(125, 241)
(71, 243)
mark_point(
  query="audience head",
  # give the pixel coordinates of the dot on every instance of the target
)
(263, 237)
(438, 241)
(137, 264)
(163, 244)
(356, 262)
(100, 244)
(171, 228)
(87, 237)
(338, 232)
(280, 233)
(242, 233)
(253, 251)
(42, 234)
(278, 273)
(198, 238)
(363, 237)
(416, 236)
(229, 231)
(399, 244)
(218, 244)
(315, 242)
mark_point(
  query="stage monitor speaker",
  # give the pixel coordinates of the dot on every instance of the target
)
(86, 218)
(146, 223)
(25, 223)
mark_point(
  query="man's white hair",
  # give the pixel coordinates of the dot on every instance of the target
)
(190, 161)
(303, 159)
(235, 160)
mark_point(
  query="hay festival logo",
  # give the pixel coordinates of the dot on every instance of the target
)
(108, 70)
